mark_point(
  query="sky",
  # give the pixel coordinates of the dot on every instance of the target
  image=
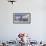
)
(37, 28)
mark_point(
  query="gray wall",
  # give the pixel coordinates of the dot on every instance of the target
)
(37, 28)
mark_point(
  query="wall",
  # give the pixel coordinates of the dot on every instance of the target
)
(37, 28)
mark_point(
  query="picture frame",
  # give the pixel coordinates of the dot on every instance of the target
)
(21, 18)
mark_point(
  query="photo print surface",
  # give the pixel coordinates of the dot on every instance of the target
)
(21, 18)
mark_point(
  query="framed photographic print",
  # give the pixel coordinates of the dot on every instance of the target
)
(21, 18)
